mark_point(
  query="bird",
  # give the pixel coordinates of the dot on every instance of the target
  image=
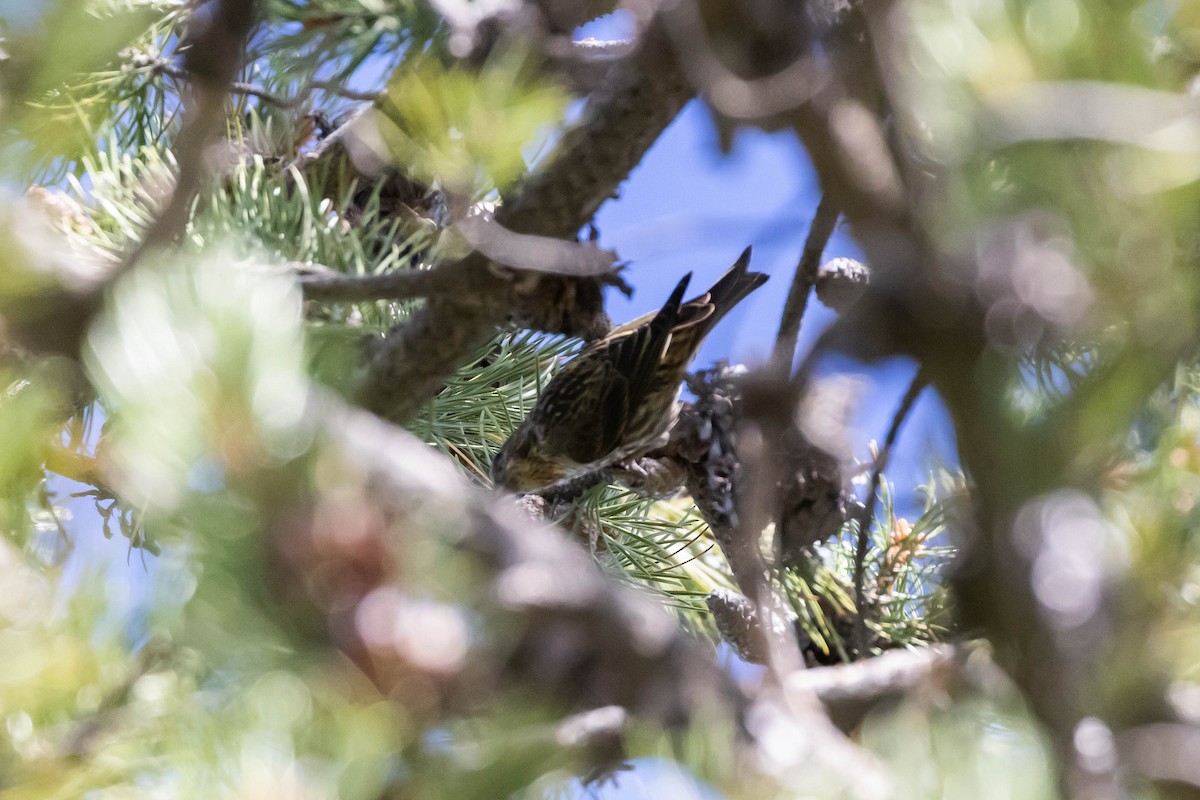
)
(618, 398)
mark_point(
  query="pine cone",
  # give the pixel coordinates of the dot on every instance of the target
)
(842, 281)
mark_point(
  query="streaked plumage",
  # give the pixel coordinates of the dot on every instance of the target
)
(617, 399)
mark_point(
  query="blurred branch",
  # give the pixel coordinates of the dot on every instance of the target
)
(850, 691)
(1163, 752)
(823, 223)
(534, 253)
(566, 612)
(579, 638)
(767, 413)
(733, 96)
(213, 52)
(1104, 111)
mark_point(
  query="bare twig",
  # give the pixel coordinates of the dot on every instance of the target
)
(732, 95)
(864, 519)
(823, 224)
(162, 66)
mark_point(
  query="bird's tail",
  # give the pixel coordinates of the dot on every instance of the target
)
(733, 287)
(706, 310)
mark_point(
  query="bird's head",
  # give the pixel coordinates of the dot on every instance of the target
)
(523, 466)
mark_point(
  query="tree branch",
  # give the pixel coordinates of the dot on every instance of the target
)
(645, 93)
(850, 691)
(333, 287)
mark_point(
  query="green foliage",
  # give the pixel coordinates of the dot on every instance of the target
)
(84, 714)
(903, 575)
(467, 129)
(199, 361)
(661, 544)
(488, 398)
(258, 207)
(29, 417)
(990, 747)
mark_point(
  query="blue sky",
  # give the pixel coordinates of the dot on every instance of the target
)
(690, 207)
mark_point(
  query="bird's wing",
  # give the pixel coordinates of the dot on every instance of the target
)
(585, 408)
(590, 401)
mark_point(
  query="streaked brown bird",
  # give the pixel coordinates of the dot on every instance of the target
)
(617, 399)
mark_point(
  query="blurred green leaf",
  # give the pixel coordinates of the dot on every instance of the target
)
(200, 358)
(464, 128)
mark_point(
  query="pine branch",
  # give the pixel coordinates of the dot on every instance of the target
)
(864, 520)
